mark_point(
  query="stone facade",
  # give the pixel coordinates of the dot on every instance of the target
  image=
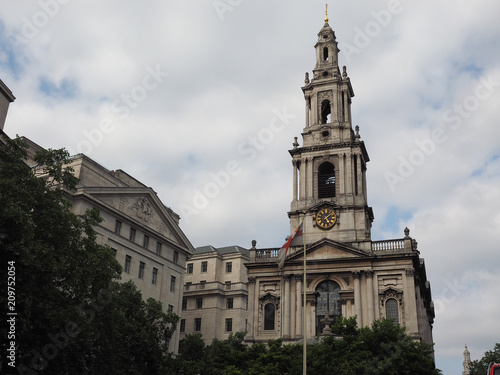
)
(143, 232)
(348, 274)
(6, 97)
(215, 301)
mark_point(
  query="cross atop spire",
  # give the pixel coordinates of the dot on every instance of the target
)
(326, 13)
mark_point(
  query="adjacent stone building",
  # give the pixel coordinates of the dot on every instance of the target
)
(348, 274)
(215, 301)
(143, 232)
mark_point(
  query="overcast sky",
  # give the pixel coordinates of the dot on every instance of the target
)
(201, 100)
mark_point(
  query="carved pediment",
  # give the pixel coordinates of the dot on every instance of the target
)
(327, 249)
(143, 207)
(269, 297)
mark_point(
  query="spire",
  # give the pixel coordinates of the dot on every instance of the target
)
(326, 13)
(466, 362)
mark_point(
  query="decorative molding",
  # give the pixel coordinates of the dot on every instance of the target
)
(143, 209)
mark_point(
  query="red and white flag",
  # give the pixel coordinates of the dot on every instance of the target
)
(295, 240)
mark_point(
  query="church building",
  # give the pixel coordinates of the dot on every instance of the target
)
(348, 274)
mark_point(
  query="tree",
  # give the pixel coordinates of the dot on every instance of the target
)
(480, 367)
(73, 317)
(382, 349)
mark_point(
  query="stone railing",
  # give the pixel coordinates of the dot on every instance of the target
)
(266, 255)
(396, 245)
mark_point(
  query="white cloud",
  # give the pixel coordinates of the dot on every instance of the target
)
(227, 75)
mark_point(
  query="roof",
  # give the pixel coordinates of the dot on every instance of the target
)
(222, 250)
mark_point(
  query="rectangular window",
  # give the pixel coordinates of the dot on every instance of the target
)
(118, 226)
(183, 325)
(155, 276)
(131, 236)
(228, 285)
(229, 324)
(128, 260)
(176, 257)
(188, 285)
(199, 303)
(190, 268)
(202, 284)
(141, 270)
(170, 309)
(184, 303)
(229, 267)
(172, 283)
(158, 248)
(204, 266)
(229, 303)
(145, 242)
(197, 324)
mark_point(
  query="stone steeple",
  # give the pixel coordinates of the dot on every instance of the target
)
(329, 168)
(466, 362)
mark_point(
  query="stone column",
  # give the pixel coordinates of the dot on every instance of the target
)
(298, 304)
(311, 322)
(310, 182)
(410, 305)
(287, 308)
(254, 309)
(369, 287)
(341, 177)
(295, 186)
(357, 297)
(302, 178)
(360, 177)
(307, 112)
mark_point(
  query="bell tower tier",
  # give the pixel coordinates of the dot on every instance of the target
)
(329, 170)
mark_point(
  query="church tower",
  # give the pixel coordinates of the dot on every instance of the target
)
(348, 274)
(329, 170)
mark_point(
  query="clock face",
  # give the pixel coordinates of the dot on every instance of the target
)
(326, 218)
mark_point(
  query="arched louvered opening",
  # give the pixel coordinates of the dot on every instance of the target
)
(326, 112)
(326, 180)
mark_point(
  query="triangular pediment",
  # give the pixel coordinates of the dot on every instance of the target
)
(327, 249)
(142, 205)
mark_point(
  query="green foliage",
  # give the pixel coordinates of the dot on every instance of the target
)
(480, 367)
(382, 349)
(73, 317)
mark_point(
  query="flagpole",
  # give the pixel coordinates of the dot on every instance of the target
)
(304, 325)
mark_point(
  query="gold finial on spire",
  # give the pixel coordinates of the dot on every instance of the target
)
(326, 13)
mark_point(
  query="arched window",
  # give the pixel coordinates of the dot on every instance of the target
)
(326, 180)
(269, 316)
(326, 112)
(325, 54)
(392, 310)
(327, 302)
